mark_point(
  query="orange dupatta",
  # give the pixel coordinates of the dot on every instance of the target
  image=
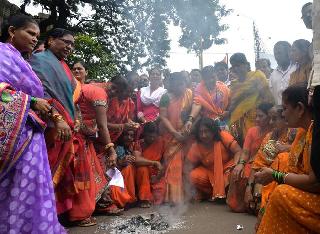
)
(213, 103)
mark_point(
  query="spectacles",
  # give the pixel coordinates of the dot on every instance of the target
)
(67, 42)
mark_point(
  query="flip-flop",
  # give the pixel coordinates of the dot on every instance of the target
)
(110, 210)
(88, 222)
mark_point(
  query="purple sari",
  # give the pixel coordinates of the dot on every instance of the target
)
(27, 202)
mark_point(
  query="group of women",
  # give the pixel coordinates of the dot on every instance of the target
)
(59, 136)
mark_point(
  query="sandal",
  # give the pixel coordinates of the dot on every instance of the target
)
(88, 222)
(145, 204)
(112, 210)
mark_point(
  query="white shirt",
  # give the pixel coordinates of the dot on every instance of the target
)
(279, 81)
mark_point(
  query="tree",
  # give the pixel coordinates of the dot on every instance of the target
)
(92, 53)
(200, 21)
(135, 32)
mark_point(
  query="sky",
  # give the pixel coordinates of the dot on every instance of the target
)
(275, 19)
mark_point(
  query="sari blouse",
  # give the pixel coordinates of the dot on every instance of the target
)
(91, 96)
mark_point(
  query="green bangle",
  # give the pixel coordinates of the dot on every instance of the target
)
(33, 101)
(278, 176)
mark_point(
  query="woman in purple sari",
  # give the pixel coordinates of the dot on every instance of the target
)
(27, 202)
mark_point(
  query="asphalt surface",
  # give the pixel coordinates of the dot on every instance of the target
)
(199, 218)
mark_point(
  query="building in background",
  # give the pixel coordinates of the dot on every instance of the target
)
(7, 9)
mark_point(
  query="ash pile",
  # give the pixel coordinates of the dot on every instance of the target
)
(153, 223)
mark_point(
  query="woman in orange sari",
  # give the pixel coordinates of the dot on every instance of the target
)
(129, 158)
(120, 107)
(150, 182)
(174, 109)
(92, 105)
(248, 90)
(213, 156)
(241, 172)
(211, 97)
(272, 153)
(293, 207)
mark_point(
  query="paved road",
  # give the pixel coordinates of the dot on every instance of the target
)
(200, 218)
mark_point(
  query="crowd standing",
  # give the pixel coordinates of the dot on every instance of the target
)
(236, 136)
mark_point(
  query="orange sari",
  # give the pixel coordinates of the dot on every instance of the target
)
(175, 151)
(213, 103)
(235, 197)
(211, 177)
(279, 163)
(148, 189)
(121, 196)
(291, 210)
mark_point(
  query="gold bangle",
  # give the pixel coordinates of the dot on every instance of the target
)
(108, 146)
(57, 118)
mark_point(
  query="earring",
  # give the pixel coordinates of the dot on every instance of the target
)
(11, 39)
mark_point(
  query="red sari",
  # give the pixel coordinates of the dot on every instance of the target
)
(84, 202)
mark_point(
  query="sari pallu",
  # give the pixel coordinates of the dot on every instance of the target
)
(56, 78)
(27, 201)
(175, 151)
(213, 103)
(291, 210)
(245, 97)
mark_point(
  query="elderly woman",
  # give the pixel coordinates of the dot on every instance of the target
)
(294, 204)
(148, 99)
(212, 157)
(300, 55)
(26, 188)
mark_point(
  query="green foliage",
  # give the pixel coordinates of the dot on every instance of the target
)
(92, 53)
